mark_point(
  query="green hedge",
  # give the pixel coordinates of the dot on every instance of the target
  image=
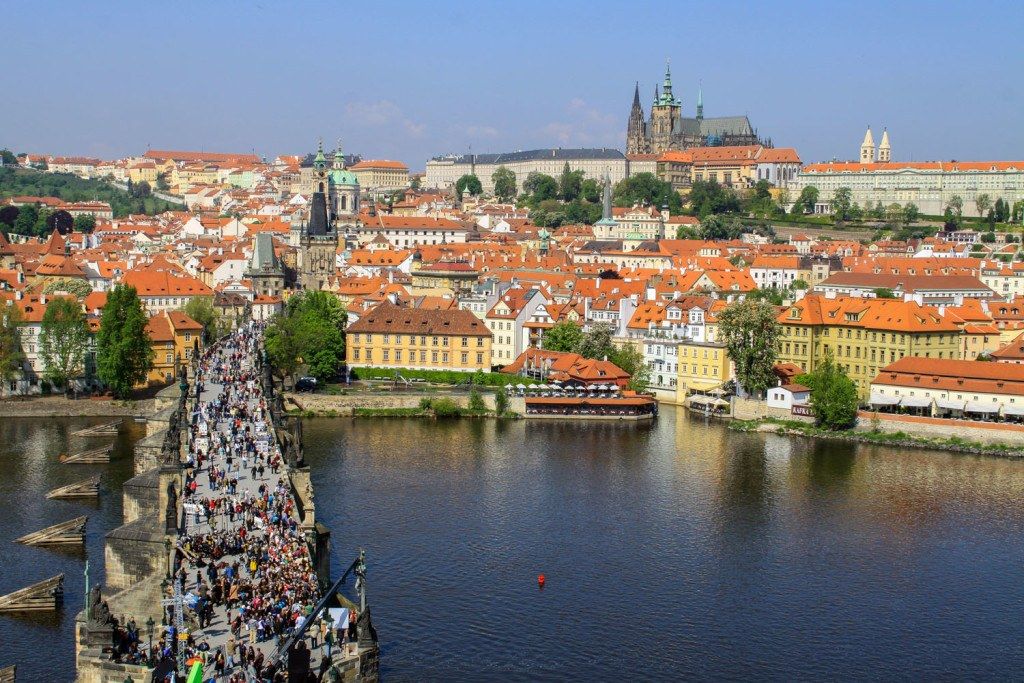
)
(489, 379)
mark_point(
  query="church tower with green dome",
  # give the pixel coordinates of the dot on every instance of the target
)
(344, 190)
(317, 234)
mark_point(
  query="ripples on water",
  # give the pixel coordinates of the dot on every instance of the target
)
(42, 645)
(674, 550)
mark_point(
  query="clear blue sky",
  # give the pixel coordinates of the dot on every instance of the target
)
(411, 80)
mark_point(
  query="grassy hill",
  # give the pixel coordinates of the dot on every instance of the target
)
(71, 188)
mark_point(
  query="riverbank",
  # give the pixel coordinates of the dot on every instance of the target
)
(58, 406)
(897, 439)
(396, 404)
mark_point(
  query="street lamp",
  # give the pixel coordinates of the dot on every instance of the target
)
(150, 625)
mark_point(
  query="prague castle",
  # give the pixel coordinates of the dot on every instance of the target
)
(668, 129)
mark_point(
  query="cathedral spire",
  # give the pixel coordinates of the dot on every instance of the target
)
(636, 95)
(884, 150)
(606, 208)
(339, 157)
(700, 102)
(666, 88)
(657, 95)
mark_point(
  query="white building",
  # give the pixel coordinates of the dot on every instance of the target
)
(930, 185)
(444, 171)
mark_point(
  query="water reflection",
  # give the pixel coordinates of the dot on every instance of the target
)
(717, 554)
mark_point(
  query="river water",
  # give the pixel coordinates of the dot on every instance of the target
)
(677, 550)
(42, 645)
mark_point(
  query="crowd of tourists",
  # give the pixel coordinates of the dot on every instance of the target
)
(243, 564)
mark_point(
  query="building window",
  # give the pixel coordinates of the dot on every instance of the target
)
(387, 355)
(465, 358)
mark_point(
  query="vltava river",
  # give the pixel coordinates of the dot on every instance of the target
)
(674, 551)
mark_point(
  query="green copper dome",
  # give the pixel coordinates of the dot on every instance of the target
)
(340, 176)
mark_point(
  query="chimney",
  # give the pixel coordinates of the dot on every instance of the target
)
(19, 295)
(42, 299)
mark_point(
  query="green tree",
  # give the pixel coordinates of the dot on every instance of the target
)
(597, 342)
(911, 213)
(806, 201)
(500, 402)
(833, 395)
(63, 337)
(416, 182)
(956, 205)
(61, 221)
(309, 332)
(629, 358)
(647, 189)
(569, 184)
(800, 284)
(894, 216)
(504, 183)
(476, 401)
(161, 181)
(11, 355)
(564, 336)
(1001, 210)
(468, 182)
(85, 222)
(884, 293)
(982, 203)
(750, 332)
(707, 198)
(540, 187)
(124, 352)
(8, 158)
(590, 191)
(200, 309)
(25, 224)
(988, 237)
(841, 203)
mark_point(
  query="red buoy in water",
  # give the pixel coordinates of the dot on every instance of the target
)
(540, 580)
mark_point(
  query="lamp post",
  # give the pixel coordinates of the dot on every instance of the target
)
(150, 625)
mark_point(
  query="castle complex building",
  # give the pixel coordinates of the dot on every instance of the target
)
(930, 185)
(444, 171)
(668, 129)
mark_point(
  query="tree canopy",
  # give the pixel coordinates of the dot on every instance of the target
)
(124, 353)
(833, 395)
(71, 188)
(504, 183)
(647, 190)
(200, 309)
(63, 337)
(806, 201)
(309, 332)
(11, 355)
(750, 330)
(707, 197)
(468, 182)
(563, 336)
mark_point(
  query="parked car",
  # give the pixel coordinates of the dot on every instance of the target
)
(306, 384)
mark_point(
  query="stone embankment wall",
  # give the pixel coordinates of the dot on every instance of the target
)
(752, 409)
(934, 427)
(347, 403)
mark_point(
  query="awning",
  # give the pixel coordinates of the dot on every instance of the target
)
(881, 400)
(915, 402)
(699, 398)
(949, 404)
(979, 407)
(1013, 410)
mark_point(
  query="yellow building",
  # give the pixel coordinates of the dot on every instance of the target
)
(143, 171)
(863, 335)
(188, 176)
(391, 336)
(175, 338)
(702, 366)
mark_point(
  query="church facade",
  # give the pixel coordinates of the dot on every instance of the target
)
(667, 129)
(333, 211)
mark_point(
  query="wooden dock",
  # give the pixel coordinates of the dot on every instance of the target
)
(71, 532)
(8, 673)
(45, 595)
(89, 488)
(104, 429)
(94, 456)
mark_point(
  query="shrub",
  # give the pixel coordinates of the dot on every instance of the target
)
(500, 403)
(445, 407)
(476, 402)
(425, 403)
